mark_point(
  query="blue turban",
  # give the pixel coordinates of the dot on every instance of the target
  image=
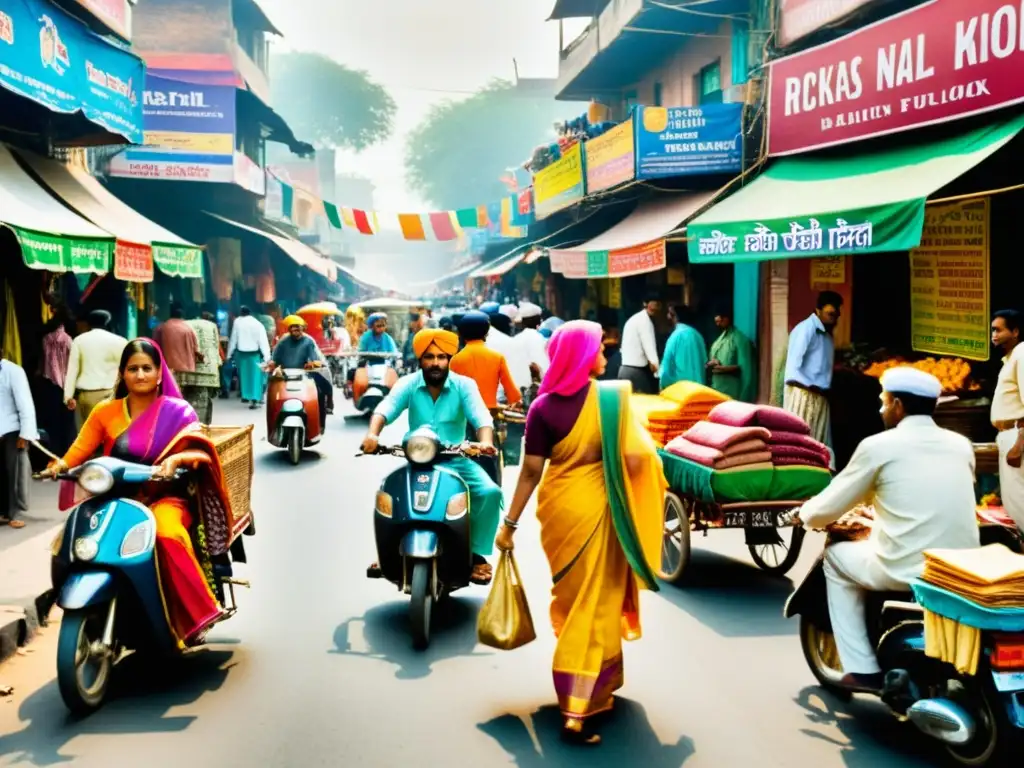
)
(473, 326)
(490, 307)
(375, 317)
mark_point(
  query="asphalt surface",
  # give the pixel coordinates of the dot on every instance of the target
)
(317, 668)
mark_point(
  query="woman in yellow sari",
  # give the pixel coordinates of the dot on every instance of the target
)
(600, 512)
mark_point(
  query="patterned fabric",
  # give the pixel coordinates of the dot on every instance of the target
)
(812, 409)
(56, 352)
(207, 372)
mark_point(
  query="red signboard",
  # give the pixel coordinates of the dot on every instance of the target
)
(798, 18)
(133, 263)
(937, 62)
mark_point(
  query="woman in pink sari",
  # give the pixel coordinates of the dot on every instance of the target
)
(148, 422)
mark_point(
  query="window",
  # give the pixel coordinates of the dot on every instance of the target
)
(709, 82)
(658, 95)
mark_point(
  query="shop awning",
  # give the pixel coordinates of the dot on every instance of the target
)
(141, 243)
(52, 237)
(297, 251)
(501, 265)
(576, 9)
(868, 202)
(633, 246)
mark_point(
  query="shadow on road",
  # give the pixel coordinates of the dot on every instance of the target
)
(385, 628)
(732, 598)
(868, 731)
(627, 738)
(142, 693)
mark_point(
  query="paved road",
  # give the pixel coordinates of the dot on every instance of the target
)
(317, 669)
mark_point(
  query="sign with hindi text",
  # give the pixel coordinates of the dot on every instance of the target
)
(949, 282)
(610, 158)
(561, 184)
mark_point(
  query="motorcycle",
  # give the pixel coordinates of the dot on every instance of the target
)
(421, 525)
(978, 719)
(375, 380)
(104, 573)
(494, 466)
(293, 412)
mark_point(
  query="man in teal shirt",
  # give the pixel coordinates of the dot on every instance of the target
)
(446, 401)
(686, 354)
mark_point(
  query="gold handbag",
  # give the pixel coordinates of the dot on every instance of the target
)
(505, 622)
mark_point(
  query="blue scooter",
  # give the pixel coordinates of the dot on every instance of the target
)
(421, 523)
(104, 573)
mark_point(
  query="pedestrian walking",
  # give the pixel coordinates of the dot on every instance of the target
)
(180, 345)
(92, 366)
(686, 354)
(250, 349)
(201, 386)
(809, 362)
(58, 422)
(1008, 412)
(533, 347)
(17, 429)
(640, 365)
(599, 510)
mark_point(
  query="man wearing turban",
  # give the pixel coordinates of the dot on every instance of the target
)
(445, 402)
(297, 349)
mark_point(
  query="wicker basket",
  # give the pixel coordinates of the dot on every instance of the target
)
(234, 447)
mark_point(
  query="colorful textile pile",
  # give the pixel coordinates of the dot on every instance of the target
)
(723, 447)
(676, 410)
(991, 576)
(788, 441)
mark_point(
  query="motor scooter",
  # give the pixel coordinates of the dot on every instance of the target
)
(294, 421)
(104, 574)
(422, 527)
(979, 719)
(375, 380)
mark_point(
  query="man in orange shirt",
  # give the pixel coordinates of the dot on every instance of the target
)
(484, 365)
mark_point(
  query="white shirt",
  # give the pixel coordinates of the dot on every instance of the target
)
(249, 335)
(1008, 399)
(534, 348)
(92, 366)
(639, 345)
(17, 412)
(920, 479)
(515, 356)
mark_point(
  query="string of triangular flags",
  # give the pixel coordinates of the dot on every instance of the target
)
(509, 217)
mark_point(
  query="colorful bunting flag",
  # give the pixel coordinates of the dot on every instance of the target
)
(412, 226)
(333, 215)
(362, 223)
(442, 225)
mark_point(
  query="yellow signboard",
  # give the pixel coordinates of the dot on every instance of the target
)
(205, 143)
(560, 184)
(830, 270)
(949, 281)
(610, 159)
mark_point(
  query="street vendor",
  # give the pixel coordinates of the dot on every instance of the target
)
(1008, 412)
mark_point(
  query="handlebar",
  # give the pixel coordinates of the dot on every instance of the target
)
(73, 473)
(379, 355)
(448, 450)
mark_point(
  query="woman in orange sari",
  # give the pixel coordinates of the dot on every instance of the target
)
(148, 422)
(600, 512)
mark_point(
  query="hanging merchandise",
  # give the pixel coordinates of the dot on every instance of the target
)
(266, 288)
(226, 258)
(12, 339)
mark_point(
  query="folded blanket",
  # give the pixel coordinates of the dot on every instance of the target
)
(700, 454)
(743, 460)
(759, 466)
(737, 414)
(690, 392)
(782, 437)
(747, 446)
(814, 458)
(721, 436)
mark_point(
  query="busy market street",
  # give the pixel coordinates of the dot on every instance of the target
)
(317, 654)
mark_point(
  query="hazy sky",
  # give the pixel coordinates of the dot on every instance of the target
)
(423, 51)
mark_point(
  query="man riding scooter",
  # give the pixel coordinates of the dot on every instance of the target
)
(299, 350)
(445, 401)
(920, 479)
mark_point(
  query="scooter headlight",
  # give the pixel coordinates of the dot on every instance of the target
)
(383, 505)
(96, 479)
(85, 548)
(420, 449)
(458, 505)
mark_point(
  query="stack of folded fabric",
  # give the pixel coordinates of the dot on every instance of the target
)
(795, 449)
(991, 576)
(790, 441)
(723, 447)
(679, 407)
(658, 415)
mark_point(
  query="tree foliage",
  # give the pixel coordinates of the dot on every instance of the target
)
(329, 104)
(456, 157)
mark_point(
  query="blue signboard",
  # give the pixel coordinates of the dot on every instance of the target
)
(54, 60)
(189, 116)
(686, 141)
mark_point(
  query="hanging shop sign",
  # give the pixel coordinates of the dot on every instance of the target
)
(949, 282)
(188, 116)
(830, 270)
(610, 158)
(561, 184)
(116, 15)
(799, 18)
(64, 254)
(54, 60)
(937, 62)
(178, 261)
(133, 262)
(648, 257)
(684, 141)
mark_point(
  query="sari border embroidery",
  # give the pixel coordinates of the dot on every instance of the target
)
(575, 558)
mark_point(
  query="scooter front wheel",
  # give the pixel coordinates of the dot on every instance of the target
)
(421, 604)
(84, 666)
(295, 446)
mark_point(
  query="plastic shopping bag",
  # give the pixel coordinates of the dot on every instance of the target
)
(505, 622)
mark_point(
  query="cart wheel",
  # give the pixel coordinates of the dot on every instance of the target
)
(675, 541)
(777, 559)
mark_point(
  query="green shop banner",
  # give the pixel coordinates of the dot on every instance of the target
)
(178, 261)
(64, 254)
(877, 229)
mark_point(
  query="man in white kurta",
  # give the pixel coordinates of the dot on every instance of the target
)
(920, 479)
(534, 346)
(1008, 412)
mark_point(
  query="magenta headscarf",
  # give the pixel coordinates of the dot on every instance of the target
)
(168, 386)
(573, 349)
